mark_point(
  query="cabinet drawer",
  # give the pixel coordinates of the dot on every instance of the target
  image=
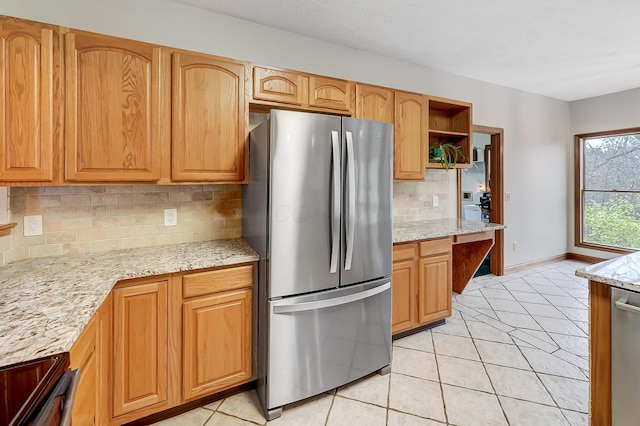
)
(217, 280)
(404, 252)
(429, 247)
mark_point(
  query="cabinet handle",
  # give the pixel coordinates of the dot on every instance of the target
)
(335, 201)
(351, 213)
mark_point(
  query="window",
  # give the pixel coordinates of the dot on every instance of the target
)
(608, 190)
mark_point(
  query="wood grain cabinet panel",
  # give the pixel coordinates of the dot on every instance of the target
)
(410, 136)
(374, 103)
(113, 96)
(278, 86)
(330, 93)
(209, 117)
(216, 342)
(83, 355)
(29, 56)
(403, 296)
(434, 288)
(139, 346)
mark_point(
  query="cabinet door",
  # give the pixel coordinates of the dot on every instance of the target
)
(28, 55)
(83, 356)
(434, 288)
(410, 136)
(374, 103)
(277, 86)
(209, 117)
(216, 343)
(113, 94)
(403, 296)
(139, 346)
(330, 93)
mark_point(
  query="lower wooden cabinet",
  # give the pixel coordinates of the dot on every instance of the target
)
(139, 346)
(161, 341)
(421, 284)
(434, 288)
(216, 342)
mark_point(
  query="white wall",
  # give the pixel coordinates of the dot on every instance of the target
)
(536, 127)
(609, 112)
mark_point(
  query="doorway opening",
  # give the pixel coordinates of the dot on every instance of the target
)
(481, 191)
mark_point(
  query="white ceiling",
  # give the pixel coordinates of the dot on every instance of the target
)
(565, 49)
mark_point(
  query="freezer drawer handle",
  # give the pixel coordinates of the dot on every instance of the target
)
(622, 304)
(351, 220)
(335, 213)
(328, 303)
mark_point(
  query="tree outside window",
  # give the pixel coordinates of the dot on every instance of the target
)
(608, 190)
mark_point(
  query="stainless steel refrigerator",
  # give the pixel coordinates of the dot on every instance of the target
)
(317, 209)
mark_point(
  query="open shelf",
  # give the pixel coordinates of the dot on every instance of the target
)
(450, 123)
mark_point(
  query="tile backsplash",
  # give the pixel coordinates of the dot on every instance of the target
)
(81, 219)
(414, 200)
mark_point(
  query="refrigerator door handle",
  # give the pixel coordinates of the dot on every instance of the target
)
(335, 201)
(328, 303)
(351, 207)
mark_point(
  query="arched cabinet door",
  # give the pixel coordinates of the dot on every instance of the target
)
(113, 117)
(330, 93)
(410, 136)
(374, 103)
(29, 98)
(209, 119)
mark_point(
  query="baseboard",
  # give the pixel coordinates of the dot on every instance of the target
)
(584, 258)
(527, 265)
(566, 256)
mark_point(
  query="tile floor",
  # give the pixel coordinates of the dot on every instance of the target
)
(514, 352)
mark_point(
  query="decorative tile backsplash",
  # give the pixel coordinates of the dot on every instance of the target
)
(80, 219)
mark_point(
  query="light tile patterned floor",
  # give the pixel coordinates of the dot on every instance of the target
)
(514, 352)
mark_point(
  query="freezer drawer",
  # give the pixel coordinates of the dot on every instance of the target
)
(321, 341)
(625, 347)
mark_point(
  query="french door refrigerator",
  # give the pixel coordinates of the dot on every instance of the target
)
(317, 209)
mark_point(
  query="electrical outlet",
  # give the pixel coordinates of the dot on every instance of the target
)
(170, 217)
(32, 225)
(515, 246)
(435, 201)
(507, 196)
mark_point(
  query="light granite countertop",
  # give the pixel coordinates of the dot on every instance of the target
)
(438, 228)
(622, 272)
(45, 303)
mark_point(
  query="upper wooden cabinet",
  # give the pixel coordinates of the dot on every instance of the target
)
(273, 87)
(375, 103)
(450, 123)
(278, 86)
(409, 136)
(30, 60)
(209, 117)
(113, 117)
(330, 93)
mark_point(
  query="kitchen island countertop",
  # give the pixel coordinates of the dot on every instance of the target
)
(622, 272)
(438, 228)
(45, 303)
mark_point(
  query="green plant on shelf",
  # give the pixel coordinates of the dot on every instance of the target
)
(447, 154)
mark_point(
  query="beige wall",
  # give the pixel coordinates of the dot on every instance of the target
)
(99, 218)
